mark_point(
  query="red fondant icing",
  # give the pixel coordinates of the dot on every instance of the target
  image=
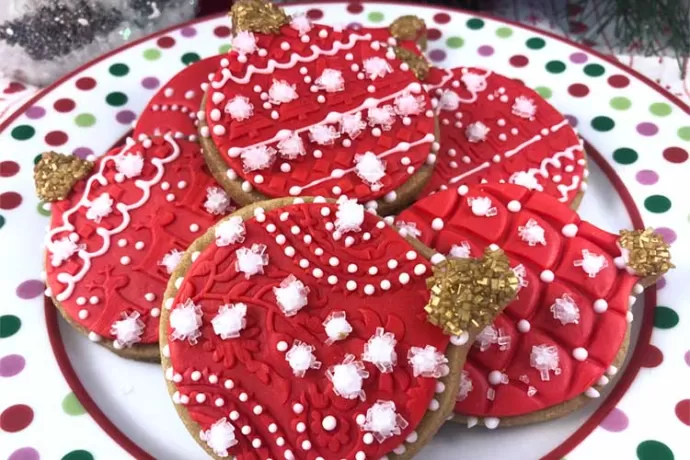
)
(313, 173)
(601, 334)
(515, 144)
(120, 285)
(260, 371)
(174, 107)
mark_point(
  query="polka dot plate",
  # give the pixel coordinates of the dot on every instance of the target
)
(65, 398)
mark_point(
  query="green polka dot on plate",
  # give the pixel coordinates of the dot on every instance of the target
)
(594, 70)
(119, 70)
(555, 66)
(684, 133)
(620, 103)
(660, 109)
(9, 325)
(455, 42)
(657, 204)
(625, 156)
(504, 32)
(84, 120)
(664, 317)
(152, 54)
(23, 132)
(116, 99)
(475, 24)
(654, 450)
(72, 406)
(189, 58)
(43, 208)
(543, 91)
(535, 43)
(602, 123)
(222, 49)
(2, 221)
(37, 158)
(78, 455)
(376, 16)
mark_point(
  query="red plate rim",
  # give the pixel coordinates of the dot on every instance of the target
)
(650, 295)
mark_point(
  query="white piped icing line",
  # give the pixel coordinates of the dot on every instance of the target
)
(544, 358)
(461, 251)
(336, 326)
(185, 321)
(347, 378)
(251, 261)
(239, 108)
(565, 310)
(331, 80)
(380, 350)
(524, 107)
(591, 263)
(127, 331)
(383, 421)
(217, 201)
(376, 67)
(465, 386)
(371, 169)
(281, 92)
(130, 165)
(301, 358)
(291, 146)
(230, 320)
(257, 157)
(171, 260)
(427, 362)
(291, 295)
(244, 42)
(99, 208)
(220, 437)
(482, 206)
(532, 233)
(349, 216)
(230, 231)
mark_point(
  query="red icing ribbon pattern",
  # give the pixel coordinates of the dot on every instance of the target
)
(121, 231)
(562, 333)
(268, 312)
(318, 111)
(496, 129)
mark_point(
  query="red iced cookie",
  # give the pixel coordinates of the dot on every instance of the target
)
(118, 234)
(559, 338)
(316, 110)
(496, 129)
(174, 107)
(300, 331)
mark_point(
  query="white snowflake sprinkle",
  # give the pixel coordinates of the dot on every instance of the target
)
(408, 229)
(291, 146)
(476, 132)
(217, 201)
(449, 101)
(521, 273)
(407, 104)
(99, 208)
(244, 42)
(323, 134)
(128, 330)
(532, 233)
(461, 251)
(376, 67)
(171, 260)
(291, 296)
(349, 216)
(380, 350)
(251, 261)
(526, 179)
(220, 437)
(347, 378)
(427, 362)
(239, 108)
(301, 358)
(474, 82)
(301, 23)
(371, 169)
(465, 386)
(482, 206)
(62, 249)
(257, 157)
(281, 92)
(524, 107)
(565, 310)
(230, 231)
(336, 326)
(185, 321)
(383, 421)
(230, 320)
(381, 116)
(591, 263)
(129, 164)
(331, 80)
(352, 124)
(544, 358)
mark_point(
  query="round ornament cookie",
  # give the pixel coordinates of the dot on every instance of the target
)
(565, 335)
(119, 227)
(496, 129)
(174, 107)
(305, 109)
(308, 330)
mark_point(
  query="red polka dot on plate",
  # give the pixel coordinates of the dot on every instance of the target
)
(619, 81)
(16, 418)
(615, 421)
(652, 356)
(433, 34)
(355, 8)
(221, 31)
(10, 200)
(441, 18)
(683, 411)
(518, 60)
(166, 42)
(314, 14)
(578, 90)
(85, 83)
(64, 105)
(56, 138)
(8, 168)
(675, 155)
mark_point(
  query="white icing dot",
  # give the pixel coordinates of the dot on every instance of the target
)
(368, 438)
(272, 428)
(83, 314)
(297, 408)
(351, 285)
(392, 264)
(580, 354)
(514, 206)
(524, 326)
(300, 427)
(547, 276)
(437, 223)
(329, 423)
(385, 285)
(495, 377)
(93, 300)
(243, 397)
(569, 230)
(282, 346)
(419, 269)
(306, 445)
